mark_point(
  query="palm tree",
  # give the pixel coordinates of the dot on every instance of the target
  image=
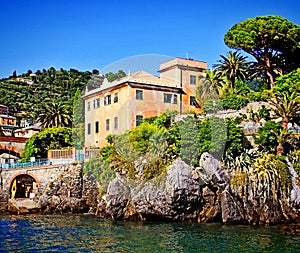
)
(55, 114)
(286, 106)
(234, 66)
(215, 79)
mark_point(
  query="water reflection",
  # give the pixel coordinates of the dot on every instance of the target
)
(84, 233)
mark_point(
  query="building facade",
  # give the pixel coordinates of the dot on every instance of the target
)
(27, 132)
(122, 104)
(3, 110)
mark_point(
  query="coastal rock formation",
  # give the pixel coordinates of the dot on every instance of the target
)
(70, 192)
(24, 206)
(3, 200)
(203, 194)
(176, 195)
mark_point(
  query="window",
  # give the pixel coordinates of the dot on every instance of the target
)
(193, 102)
(107, 100)
(89, 128)
(192, 79)
(116, 123)
(138, 119)
(175, 99)
(97, 127)
(170, 98)
(167, 98)
(97, 103)
(116, 97)
(139, 95)
(89, 106)
(107, 124)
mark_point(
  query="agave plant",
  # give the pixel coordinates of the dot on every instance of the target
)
(270, 177)
(239, 168)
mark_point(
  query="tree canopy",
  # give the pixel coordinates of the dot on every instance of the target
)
(234, 67)
(25, 94)
(51, 138)
(272, 40)
(55, 114)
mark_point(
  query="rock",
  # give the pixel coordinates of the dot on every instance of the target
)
(174, 196)
(295, 192)
(90, 193)
(231, 212)
(65, 193)
(23, 206)
(117, 198)
(210, 208)
(4, 197)
(210, 171)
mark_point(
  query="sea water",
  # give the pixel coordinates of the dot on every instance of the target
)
(86, 233)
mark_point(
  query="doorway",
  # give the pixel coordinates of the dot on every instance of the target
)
(22, 186)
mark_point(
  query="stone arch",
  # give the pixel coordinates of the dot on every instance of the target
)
(22, 184)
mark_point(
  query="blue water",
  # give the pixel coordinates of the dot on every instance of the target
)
(84, 233)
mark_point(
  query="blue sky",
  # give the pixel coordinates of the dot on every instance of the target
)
(93, 34)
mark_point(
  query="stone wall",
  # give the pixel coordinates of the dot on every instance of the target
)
(61, 189)
(69, 192)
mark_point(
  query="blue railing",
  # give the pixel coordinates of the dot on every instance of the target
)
(79, 157)
(37, 163)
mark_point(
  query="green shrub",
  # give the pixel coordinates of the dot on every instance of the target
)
(99, 170)
(257, 96)
(212, 106)
(234, 102)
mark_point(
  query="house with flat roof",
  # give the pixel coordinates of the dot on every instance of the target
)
(27, 132)
(120, 105)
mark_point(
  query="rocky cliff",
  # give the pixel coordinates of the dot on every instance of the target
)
(203, 194)
(70, 192)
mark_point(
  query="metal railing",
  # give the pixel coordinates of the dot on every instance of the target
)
(80, 156)
(19, 165)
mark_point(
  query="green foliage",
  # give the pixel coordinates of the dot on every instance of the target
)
(286, 97)
(55, 114)
(234, 67)
(241, 88)
(234, 102)
(210, 86)
(213, 136)
(113, 76)
(50, 138)
(211, 105)
(286, 106)
(267, 136)
(262, 113)
(273, 34)
(100, 171)
(78, 120)
(235, 137)
(189, 140)
(145, 151)
(288, 83)
(271, 175)
(25, 100)
(258, 96)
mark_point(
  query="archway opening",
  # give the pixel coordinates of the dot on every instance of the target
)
(22, 187)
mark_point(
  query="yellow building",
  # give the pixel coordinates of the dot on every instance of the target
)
(122, 104)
